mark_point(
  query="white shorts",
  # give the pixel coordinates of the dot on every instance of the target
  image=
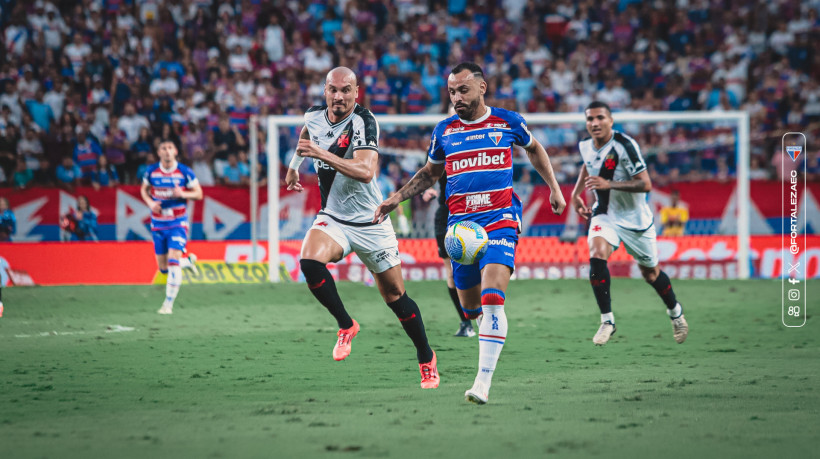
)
(376, 245)
(642, 245)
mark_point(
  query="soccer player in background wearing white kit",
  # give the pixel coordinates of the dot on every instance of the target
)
(343, 140)
(614, 169)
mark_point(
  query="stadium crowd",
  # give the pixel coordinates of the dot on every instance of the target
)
(87, 88)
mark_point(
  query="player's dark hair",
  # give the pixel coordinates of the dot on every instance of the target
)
(474, 68)
(599, 104)
(165, 140)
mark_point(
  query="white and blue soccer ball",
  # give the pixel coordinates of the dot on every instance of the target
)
(466, 242)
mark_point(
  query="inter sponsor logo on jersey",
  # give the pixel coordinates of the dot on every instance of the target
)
(472, 138)
(495, 136)
(481, 159)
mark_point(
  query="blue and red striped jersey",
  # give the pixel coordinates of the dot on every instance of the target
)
(163, 181)
(478, 160)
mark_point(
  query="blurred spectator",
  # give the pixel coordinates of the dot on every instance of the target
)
(132, 123)
(40, 111)
(235, 173)
(30, 149)
(105, 174)
(68, 174)
(674, 216)
(227, 141)
(8, 223)
(80, 223)
(22, 175)
(148, 161)
(44, 175)
(202, 165)
(86, 154)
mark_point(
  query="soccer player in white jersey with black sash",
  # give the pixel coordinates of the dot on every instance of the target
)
(614, 169)
(343, 140)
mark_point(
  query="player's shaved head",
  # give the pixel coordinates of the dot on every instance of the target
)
(341, 91)
(341, 76)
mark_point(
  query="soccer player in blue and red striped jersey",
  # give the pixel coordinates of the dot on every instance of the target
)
(166, 186)
(475, 148)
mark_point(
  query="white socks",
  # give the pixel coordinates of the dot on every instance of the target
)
(173, 283)
(675, 312)
(492, 333)
(608, 317)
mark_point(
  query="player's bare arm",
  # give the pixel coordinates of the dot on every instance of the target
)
(541, 161)
(362, 166)
(577, 200)
(292, 176)
(145, 193)
(640, 183)
(426, 177)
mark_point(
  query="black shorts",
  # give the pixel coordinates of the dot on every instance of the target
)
(442, 252)
(440, 223)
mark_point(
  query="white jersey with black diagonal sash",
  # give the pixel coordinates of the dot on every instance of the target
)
(619, 160)
(343, 198)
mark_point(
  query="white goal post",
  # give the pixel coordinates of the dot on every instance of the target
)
(739, 118)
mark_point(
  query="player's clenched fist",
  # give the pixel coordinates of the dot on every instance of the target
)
(557, 202)
(307, 149)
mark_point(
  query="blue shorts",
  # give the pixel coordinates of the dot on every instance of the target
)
(500, 250)
(174, 238)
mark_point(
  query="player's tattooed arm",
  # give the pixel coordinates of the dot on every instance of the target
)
(541, 162)
(426, 177)
(640, 183)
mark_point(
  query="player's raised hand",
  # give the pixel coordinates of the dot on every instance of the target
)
(581, 208)
(292, 180)
(177, 193)
(557, 202)
(384, 210)
(594, 182)
(307, 149)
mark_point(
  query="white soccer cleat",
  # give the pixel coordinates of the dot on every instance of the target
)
(167, 308)
(192, 267)
(477, 394)
(681, 329)
(604, 333)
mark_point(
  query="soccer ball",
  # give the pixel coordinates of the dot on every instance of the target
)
(466, 242)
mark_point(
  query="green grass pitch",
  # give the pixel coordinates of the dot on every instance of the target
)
(246, 371)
